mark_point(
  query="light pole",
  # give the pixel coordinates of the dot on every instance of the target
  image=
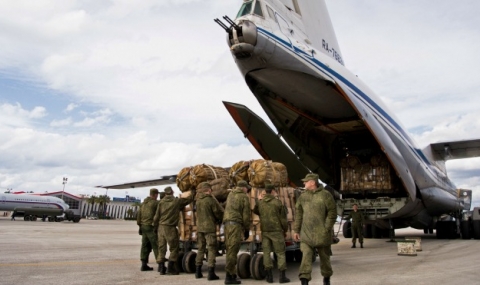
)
(64, 182)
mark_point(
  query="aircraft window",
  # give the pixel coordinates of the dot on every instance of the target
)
(245, 9)
(258, 9)
(271, 13)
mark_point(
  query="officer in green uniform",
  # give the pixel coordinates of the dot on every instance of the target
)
(237, 224)
(209, 214)
(315, 216)
(166, 220)
(146, 230)
(357, 226)
(273, 221)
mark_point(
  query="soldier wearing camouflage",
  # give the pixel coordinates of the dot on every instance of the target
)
(357, 226)
(166, 220)
(209, 214)
(316, 213)
(237, 224)
(273, 220)
(144, 221)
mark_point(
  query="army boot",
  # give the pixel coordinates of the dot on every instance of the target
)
(326, 280)
(198, 272)
(304, 281)
(211, 274)
(145, 267)
(161, 268)
(230, 279)
(361, 245)
(354, 245)
(269, 276)
(283, 278)
(172, 268)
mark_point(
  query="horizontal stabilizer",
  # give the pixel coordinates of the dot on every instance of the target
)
(456, 150)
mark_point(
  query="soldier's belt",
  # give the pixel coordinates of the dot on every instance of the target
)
(231, 223)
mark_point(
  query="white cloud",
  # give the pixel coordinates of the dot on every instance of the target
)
(61, 123)
(70, 107)
(16, 116)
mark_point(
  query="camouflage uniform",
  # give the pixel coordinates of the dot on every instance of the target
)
(273, 221)
(316, 213)
(357, 226)
(236, 220)
(166, 220)
(209, 213)
(144, 221)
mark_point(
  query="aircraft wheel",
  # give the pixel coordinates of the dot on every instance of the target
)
(425, 230)
(243, 265)
(256, 267)
(367, 231)
(347, 229)
(476, 229)
(180, 261)
(465, 229)
(50, 219)
(189, 261)
(33, 218)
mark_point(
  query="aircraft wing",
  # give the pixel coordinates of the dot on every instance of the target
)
(266, 142)
(164, 180)
(456, 149)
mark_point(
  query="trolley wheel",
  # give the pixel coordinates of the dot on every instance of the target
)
(76, 219)
(298, 255)
(50, 219)
(26, 218)
(180, 261)
(189, 261)
(256, 267)
(33, 218)
(347, 229)
(243, 266)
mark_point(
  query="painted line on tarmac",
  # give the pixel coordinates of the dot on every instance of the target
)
(69, 263)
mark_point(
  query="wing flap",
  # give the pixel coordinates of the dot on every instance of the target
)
(164, 180)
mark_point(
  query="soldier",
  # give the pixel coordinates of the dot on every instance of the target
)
(357, 226)
(315, 216)
(146, 230)
(237, 221)
(273, 220)
(166, 221)
(209, 214)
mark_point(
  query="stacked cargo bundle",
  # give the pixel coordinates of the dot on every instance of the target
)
(261, 172)
(357, 176)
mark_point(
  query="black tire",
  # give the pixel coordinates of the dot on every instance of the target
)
(347, 229)
(440, 228)
(298, 255)
(256, 267)
(476, 229)
(289, 256)
(26, 218)
(189, 262)
(466, 229)
(33, 218)
(180, 261)
(76, 219)
(376, 232)
(243, 265)
(367, 231)
(425, 230)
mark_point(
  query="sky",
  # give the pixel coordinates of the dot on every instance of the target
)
(109, 92)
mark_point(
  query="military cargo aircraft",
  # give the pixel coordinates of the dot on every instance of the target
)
(328, 122)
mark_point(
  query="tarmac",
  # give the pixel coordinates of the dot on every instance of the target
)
(107, 252)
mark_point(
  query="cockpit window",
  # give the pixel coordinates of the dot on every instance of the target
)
(258, 9)
(245, 9)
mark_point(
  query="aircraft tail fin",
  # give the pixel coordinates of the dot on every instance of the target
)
(318, 26)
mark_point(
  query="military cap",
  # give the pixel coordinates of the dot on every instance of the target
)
(269, 186)
(204, 185)
(243, 183)
(153, 191)
(168, 190)
(310, 176)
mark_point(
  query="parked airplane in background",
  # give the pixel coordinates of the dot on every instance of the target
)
(33, 206)
(334, 125)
